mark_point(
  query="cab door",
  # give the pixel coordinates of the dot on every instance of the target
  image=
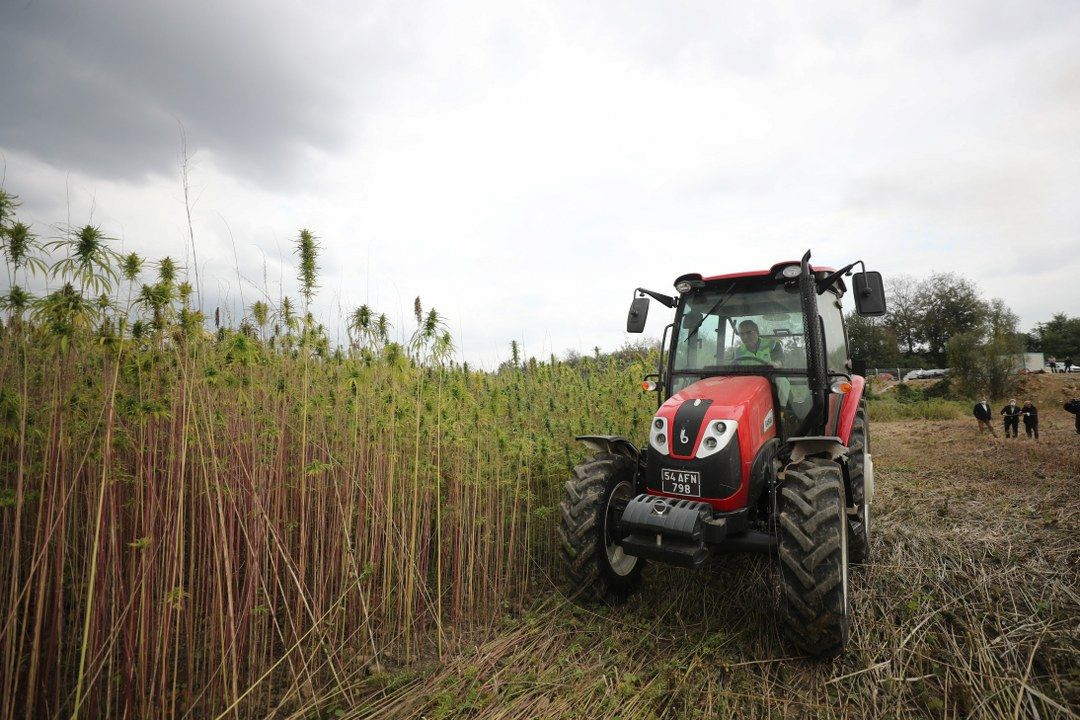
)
(831, 311)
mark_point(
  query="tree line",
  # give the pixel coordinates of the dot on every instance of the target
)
(1058, 338)
(944, 320)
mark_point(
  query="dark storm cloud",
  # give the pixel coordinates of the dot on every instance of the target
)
(103, 86)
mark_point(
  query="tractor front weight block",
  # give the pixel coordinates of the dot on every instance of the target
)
(676, 532)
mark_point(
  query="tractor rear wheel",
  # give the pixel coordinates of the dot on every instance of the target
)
(814, 557)
(593, 562)
(858, 448)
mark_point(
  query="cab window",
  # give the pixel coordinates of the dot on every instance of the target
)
(835, 341)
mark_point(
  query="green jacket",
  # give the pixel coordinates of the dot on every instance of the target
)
(763, 353)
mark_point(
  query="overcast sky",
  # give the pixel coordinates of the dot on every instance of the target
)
(522, 166)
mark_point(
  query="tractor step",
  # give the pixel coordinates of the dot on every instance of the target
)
(671, 531)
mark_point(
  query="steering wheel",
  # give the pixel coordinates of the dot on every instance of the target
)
(760, 361)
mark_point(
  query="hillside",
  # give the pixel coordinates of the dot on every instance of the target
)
(1049, 391)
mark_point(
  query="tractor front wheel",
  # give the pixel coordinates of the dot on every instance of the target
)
(814, 557)
(593, 561)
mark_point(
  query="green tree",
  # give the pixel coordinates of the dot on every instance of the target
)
(873, 340)
(952, 305)
(984, 358)
(1059, 337)
(1005, 344)
(906, 303)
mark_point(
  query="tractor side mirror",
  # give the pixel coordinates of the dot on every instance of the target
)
(869, 294)
(639, 311)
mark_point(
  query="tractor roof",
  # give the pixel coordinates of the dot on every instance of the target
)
(762, 273)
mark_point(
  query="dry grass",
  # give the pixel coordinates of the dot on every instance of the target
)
(971, 608)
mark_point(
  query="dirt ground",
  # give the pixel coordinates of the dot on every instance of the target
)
(970, 607)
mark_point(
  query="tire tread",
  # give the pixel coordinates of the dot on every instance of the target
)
(584, 562)
(813, 612)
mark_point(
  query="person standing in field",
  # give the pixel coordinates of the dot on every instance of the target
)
(1073, 406)
(1052, 362)
(981, 411)
(1030, 414)
(1068, 364)
(1012, 418)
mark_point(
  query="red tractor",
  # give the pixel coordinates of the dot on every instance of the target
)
(760, 443)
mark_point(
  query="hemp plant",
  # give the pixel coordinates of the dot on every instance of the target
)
(307, 249)
(90, 261)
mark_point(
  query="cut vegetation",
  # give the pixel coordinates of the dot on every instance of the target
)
(969, 608)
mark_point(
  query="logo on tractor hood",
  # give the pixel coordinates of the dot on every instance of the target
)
(688, 419)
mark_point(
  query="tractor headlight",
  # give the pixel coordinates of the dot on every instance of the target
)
(791, 271)
(718, 433)
(658, 437)
(686, 283)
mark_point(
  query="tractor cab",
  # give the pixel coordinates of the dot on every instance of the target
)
(755, 323)
(760, 442)
(743, 326)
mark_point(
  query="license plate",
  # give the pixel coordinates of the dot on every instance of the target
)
(681, 482)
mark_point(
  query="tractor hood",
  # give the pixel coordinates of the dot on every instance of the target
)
(744, 399)
(714, 427)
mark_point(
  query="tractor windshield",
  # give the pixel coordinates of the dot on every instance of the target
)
(740, 326)
(746, 325)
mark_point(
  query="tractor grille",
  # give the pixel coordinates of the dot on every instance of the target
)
(721, 473)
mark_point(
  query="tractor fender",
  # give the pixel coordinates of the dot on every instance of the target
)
(829, 446)
(849, 408)
(615, 444)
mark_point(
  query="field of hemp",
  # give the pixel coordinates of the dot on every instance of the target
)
(197, 518)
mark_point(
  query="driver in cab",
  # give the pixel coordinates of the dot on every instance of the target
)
(752, 350)
(794, 401)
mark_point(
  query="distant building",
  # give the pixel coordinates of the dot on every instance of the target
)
(1029, 362)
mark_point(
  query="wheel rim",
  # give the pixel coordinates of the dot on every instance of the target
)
(621, 563)
(866, 505)
(866, 522)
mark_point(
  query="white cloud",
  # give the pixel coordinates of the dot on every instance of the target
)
(523, 167)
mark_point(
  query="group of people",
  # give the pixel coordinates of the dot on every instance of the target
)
(1065, 366)
(1013, 413)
